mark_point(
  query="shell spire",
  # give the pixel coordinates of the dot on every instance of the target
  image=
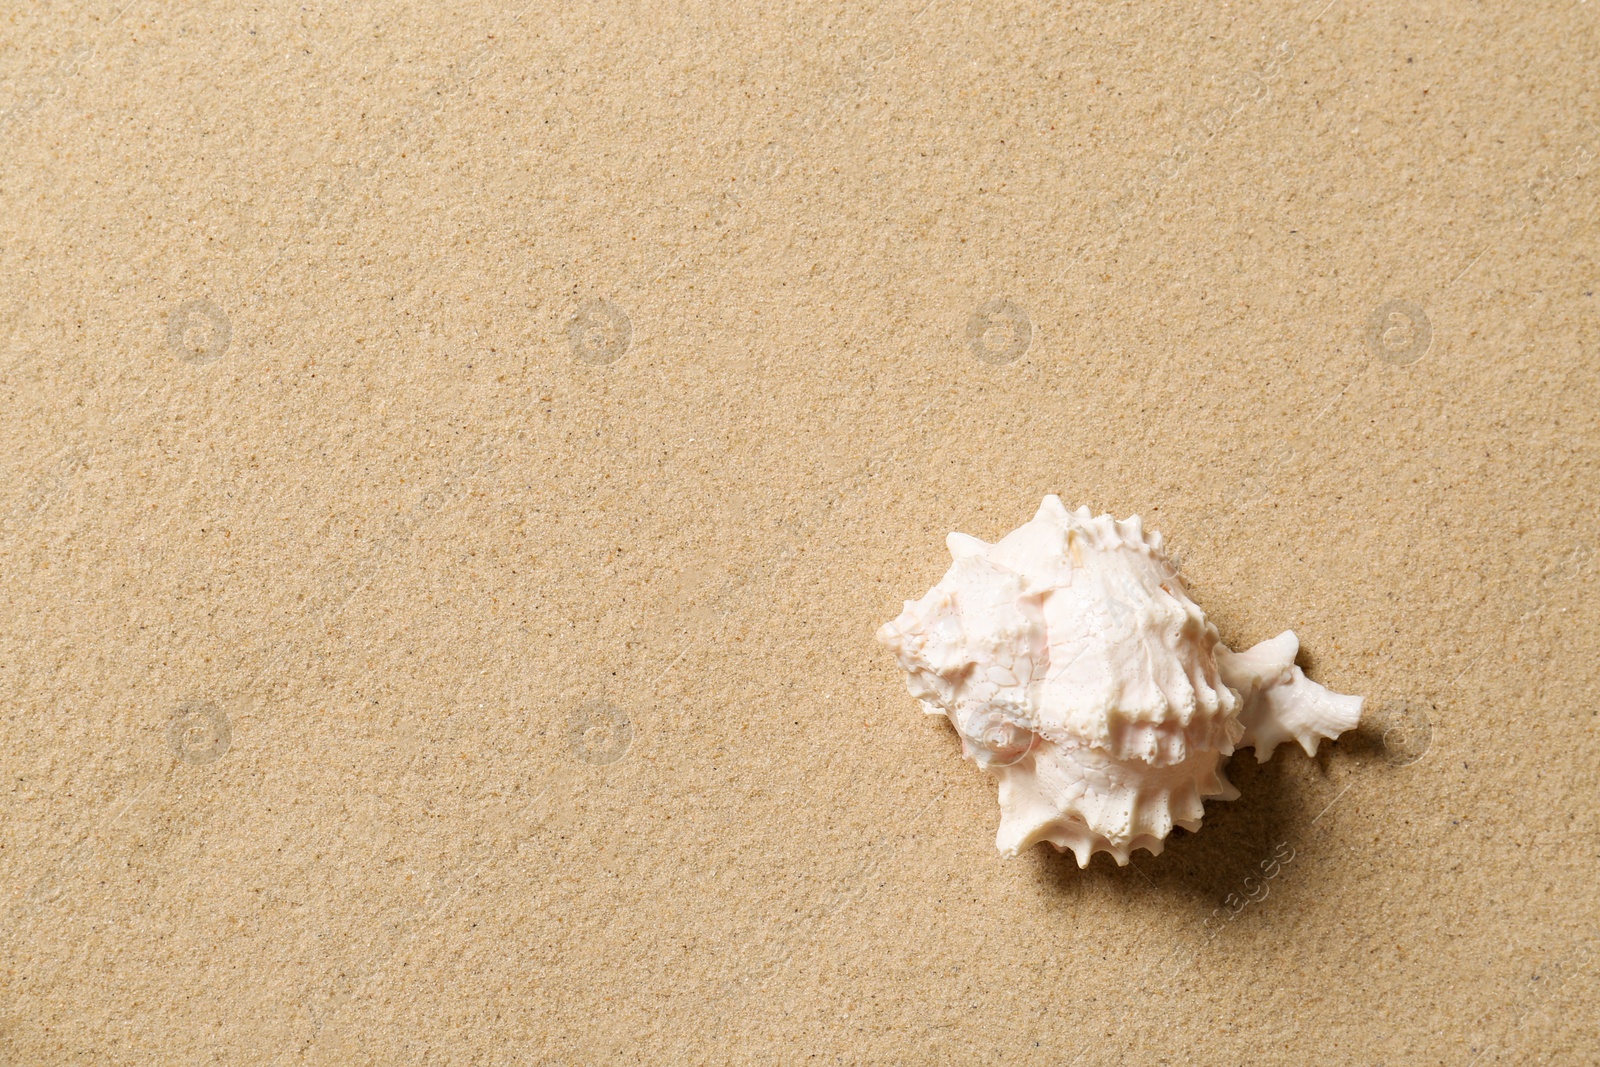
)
(1280, 702)
(1078, 672)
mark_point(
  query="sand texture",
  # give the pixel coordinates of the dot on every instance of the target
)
(455, 461)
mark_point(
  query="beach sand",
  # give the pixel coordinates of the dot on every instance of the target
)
(455, 463)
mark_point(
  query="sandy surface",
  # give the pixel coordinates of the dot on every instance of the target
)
(454, 464)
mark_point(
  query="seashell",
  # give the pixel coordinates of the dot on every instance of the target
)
(1078, 672)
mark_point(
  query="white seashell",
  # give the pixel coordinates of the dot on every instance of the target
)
(1078, 672)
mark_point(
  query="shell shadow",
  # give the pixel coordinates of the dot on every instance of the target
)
(1394, 732)
(1235, 838)
(1365, 743)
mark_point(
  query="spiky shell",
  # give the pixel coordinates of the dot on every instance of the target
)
(1077, 670)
